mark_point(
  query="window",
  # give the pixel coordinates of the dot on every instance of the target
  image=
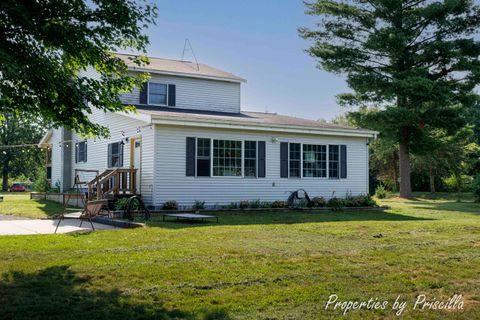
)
(294, 160)
(227, 158)
(203, 157)
(115, 155)
(250, 159)
(333, 161)
(81, 152)
(314, 160)
(49, 173)
(157, 93)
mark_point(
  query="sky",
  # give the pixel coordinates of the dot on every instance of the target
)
(256, 40)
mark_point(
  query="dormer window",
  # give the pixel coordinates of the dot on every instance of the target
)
(157, 94)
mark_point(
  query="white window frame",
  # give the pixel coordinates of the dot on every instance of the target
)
(256, 159)
(327, 160)
(77, 151)
(148, 94)
(242, 157)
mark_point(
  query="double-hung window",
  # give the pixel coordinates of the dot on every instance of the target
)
(115, 155)
(333, 161)
(250, 159)
(294, 160)
(314, 160)
(203, 157)
(227, 158)
(81, 152)
(157, 93)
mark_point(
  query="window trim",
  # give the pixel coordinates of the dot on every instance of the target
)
(327, 177)
(241, 157)
(120, 154)
(166, 94)
(256, 159)
(242, 176)
(77, 152)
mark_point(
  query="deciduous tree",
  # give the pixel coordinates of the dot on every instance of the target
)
(45, 45)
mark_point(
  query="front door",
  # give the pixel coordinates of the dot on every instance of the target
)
(136, 161)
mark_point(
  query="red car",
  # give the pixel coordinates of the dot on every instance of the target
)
(17, 187)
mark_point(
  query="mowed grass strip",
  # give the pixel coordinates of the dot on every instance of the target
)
(19, 204)
(251, 266)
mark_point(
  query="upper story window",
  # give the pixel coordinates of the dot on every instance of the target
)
(314, 160)
(81, 152)
(157, 93)
(115, 155)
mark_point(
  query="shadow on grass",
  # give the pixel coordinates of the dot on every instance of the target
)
(58, 293)
(49, 207)
(281, 217)
(464, 207)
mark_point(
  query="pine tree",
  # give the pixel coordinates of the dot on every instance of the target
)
(415, 62)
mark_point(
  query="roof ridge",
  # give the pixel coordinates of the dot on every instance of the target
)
(152, 57)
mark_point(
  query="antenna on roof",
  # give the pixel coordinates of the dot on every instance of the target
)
(191, 49)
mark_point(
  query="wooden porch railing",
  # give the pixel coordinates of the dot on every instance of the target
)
(113, 182)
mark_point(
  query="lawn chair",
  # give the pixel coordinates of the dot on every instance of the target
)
(91, 210)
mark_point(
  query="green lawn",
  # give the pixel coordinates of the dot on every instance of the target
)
(251, 266)
(19, 204)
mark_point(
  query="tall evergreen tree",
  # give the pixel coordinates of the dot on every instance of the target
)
(416, 61)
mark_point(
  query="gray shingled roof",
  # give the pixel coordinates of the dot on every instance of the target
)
(244, 117)
(181, 67)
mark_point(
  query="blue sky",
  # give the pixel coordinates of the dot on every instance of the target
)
(256, 40)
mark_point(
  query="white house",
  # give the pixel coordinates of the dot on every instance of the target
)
(191, 141)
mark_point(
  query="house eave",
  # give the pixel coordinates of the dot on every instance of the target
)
(44, 141)
(189, 75)
(179, 121)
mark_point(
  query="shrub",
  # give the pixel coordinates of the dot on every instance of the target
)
(170, 205)
(121, 204)
(199, 205)
(336, 203)
(381, 192)
(266, 205)
(41, 182)
(303, 203)
(318, 202)
(476, 188)
(366, 201)
(244, 204)
(279, 204)
(255, 204)
(232, 205)
(462, 183)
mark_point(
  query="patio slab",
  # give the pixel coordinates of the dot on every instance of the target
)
(37, 226)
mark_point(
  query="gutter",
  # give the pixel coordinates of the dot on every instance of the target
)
(205, 123)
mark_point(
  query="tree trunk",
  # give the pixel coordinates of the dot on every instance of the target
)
(4, 180)
(432, 180)
(404, 164)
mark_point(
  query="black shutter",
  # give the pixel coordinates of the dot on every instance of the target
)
(283, 159)
(109, 156)
(343, 161)
(261, 159)
(85, 157)
(144, 93)
(190, 171)
(171, 95)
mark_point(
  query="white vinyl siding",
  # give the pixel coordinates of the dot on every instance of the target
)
(171, 183)
(196, 94)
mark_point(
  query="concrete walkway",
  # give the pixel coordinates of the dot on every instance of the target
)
(19, 226)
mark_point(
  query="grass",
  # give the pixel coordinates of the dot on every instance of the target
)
(251, 266)
(19, 204)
